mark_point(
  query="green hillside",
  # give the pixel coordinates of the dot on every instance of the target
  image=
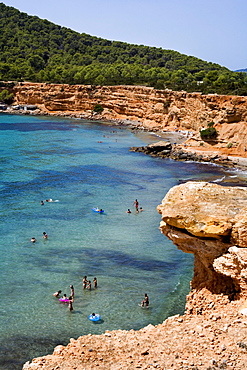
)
(32, 49)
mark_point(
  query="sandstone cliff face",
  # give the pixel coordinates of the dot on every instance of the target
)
(210, 221)
(154, 109)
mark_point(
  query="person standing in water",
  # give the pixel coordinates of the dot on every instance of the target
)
(136, 203)
(95, 283)
(84, 281)
(72, 291)
(145, 301)
(70, 305)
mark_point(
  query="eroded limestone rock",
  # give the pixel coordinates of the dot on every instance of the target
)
(210, 221)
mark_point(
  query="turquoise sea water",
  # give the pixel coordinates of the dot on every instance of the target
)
(83, 165)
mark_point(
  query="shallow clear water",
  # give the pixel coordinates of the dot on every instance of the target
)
(83, 165)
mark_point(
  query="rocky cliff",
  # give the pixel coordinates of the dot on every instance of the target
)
(152, 109)
(209, 221)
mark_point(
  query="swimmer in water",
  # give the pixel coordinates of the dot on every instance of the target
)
(89, 286)
(45, 236)
(42, 203)
(33, 240)
(57, 294)
(128, 211)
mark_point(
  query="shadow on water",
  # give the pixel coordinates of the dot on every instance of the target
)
(101, 321)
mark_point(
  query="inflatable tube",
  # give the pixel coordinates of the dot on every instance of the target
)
(95, 317)
(64, 300)
(97, 210)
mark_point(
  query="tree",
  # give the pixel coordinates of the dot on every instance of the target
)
(6, 96)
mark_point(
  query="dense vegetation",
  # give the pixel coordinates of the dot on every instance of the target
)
(37, 50)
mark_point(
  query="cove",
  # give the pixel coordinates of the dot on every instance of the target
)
(84, 164)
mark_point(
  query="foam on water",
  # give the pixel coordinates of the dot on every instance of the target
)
(83, 165)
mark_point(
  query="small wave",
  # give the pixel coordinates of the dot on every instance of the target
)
(219, 180)
(176, 286)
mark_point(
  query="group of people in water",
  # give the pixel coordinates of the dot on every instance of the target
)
(136, 204)
(66, 299)
(47, 200)
(45, 236)
(87, 283)
(70, 300)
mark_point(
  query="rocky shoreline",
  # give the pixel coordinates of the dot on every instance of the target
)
(145, 108)
(175, 146)
(164, 149)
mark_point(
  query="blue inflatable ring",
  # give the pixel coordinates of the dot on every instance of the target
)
(95, 317)
(98, 210)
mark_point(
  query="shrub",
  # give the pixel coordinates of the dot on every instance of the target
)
(209, 133)
(98, 108)
(6, 97)
(210, 124)
(167, 104)
(229, 145)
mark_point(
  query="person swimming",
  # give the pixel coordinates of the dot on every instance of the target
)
(57, 294)
(33, 240)
(128, 211)
(45, 236)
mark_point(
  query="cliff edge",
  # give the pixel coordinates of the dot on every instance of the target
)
(151, 109)
(209, 221)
